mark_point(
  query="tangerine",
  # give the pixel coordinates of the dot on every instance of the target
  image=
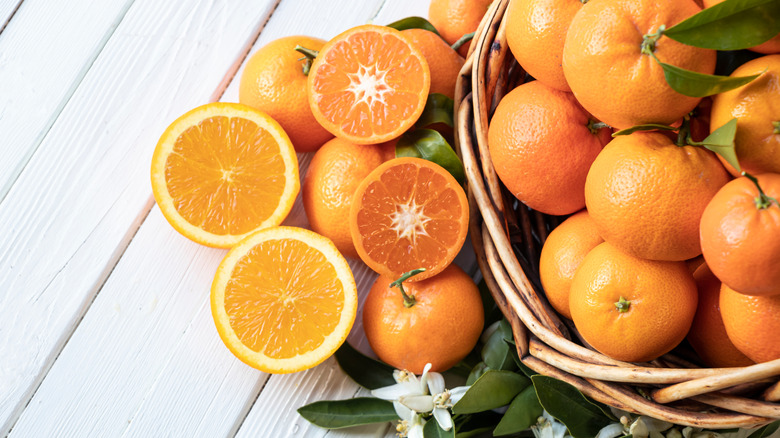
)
(443, 62)
(456, 18)
(752, 323)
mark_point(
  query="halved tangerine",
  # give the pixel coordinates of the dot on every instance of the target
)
(409, 213)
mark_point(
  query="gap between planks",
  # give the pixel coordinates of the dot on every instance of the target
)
(10, 16)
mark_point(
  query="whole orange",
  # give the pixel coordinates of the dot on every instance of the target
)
(647, 195)
(443, 62)
(631, 309)
(455, 18)
(739, 235)
(562, 253)
(535, 32)
(441, 327)
(608, 60)
(756, 106)
(334, 173)
(273, 82)
(771, 46)
(708, 334)
(542, 143)
(752, 323)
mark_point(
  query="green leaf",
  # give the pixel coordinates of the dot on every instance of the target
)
(438, 109)
(475, 432)
(497, 354)
(522, 413)
(694, 84)
(365, 371)
(730, 25)
(413, 23)
(430, 145)
(433, 430)
(765, 431)
(721, 141)
(351, 412)
(568, 405)
(492, 390)
(476, 372)
(647, 127)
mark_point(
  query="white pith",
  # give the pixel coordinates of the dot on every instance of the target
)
(409, 221)
(368, 84)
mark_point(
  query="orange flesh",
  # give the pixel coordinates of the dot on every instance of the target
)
(268, 286)
(225, 175)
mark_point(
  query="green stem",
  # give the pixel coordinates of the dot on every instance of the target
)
(309, 56)
(594, 126)
(762, 200)
(462, 40)
(623, 305)
(776, 126)
(409, 300)
(649, 40)
(684, 134)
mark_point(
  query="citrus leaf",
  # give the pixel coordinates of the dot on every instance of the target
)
(438, 109)
(568, 405)
(433, 430)
(522, 413)
(365, 371)
(694, 84)
(492, 390)
(730, 25)
(476, 372)
(721, 141)
(351, 412)
(413, 23)
(430, 145)
(647, 127)
(497, 354)
(765, 431)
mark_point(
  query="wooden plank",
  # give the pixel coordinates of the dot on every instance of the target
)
(7, 10)
(80, 200)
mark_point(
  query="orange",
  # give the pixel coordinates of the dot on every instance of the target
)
(605, 66)
(283, 299)
(647, 195)
(441, 327)
(443, 62)
(708, 334)
(535, 32)
(739, 235)
(562, 253)
(273, 81)
(222, 171)
(756, 106)
(369, 84)
(752, 323)
(333, 175)
(631, 309)
(408, 213)
(542, 144)
(455, 18)
(771, 46)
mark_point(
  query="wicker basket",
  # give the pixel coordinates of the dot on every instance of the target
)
(507, 237)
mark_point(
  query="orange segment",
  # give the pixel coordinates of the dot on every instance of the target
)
(222, 171)
(368, 84)
(408, 213)
(283, 299)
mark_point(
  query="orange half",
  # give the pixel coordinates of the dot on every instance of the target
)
(368, 85)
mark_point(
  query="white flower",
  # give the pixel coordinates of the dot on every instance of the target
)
(407, 384)
(411, 425)
(548, 427)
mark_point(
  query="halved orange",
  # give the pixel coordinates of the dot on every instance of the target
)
(283, 299)
(368, 85)
(223, 171)
(408, 213)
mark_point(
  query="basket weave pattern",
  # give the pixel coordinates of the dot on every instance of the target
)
(508, 236)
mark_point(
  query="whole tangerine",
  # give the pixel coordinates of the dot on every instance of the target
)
(752, 323)
(456, 18)
(443, 61)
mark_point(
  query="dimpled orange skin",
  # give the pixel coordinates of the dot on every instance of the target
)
(752, 323)
(740, 241)
(273, 82)
(535, 32)
(604, 66)
(442, 327)
(443, 62)
(708, 334)
(646, 195)
(771, 46)
(541, 147)
(756, 106)
(662, 296)
(333, 175)
(455, 18)
(562, 253)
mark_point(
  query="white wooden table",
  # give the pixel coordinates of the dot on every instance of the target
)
(105, 327)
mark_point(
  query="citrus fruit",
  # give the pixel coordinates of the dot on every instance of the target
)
(631, 309)
(608, 60)
(562, 253)
(441, 325)
(283, 299)
(443, 62)
(756, 106)
(708, 335)
(333, 175)
(368, 85)
(752, 323)
(455, 18)
(739, 235)
(646, 195)
(542, 143)
(771, 46)
(535, 32)
(408, 213)
(223, 171)
(273, 81)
